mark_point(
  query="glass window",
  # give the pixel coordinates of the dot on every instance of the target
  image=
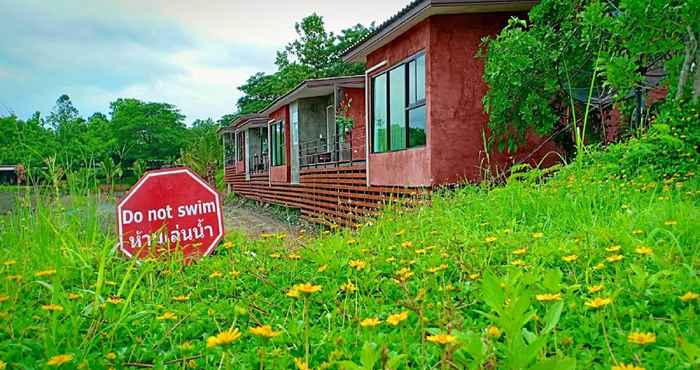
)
(416, 126)
(277, 142)
(411, 82)
(397, 107)
(379, 118)
(420, 77)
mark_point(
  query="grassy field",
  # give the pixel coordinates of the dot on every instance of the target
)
(591, 268)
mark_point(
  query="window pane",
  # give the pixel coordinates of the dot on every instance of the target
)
(397, 107)
(412, 82)
(420, 77)
(379, 123)
(416, 126)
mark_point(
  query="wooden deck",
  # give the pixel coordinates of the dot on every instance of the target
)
(328, 196)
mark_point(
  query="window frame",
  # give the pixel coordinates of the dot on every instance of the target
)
(409, 106)
(277, 144)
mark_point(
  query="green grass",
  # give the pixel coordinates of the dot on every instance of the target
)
(450, 265)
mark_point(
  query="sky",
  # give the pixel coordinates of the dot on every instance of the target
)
(193, 54)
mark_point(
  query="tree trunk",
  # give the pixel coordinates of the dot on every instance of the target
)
(696, 80)
(691, 55)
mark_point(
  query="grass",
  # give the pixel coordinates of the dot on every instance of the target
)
(535, 274)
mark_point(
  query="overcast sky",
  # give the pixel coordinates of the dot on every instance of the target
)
(193, 54)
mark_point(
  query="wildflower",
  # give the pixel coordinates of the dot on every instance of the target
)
(300, 364)
(518, 263)
(224, 338)
(599, 266)
(622, 366)
(490, 239)
(181, 298)
(45, 273)
(167, 316)
(438, 268)
(52, 307)
(115, 300)
(234, 274)
(306, 288)
(264, 331)
(185, 346)
(643, 250)
(641, 338)
(615, 258)
(400, 232)
(9, 262)
(570, 258)
(4, 297)
(403, 274)
(637, 232)
(689, 296)
(547, 297)
(595, 288)
(111, 356)
(59, 360)
(322, 268)
(352, 241)
(370, 322)
(537, 235)
(390, 260)
(275, 255)
(407, 244)
(348, 287)
(215, 274)
(613, 248)
(395, 319)
(420, 251)
(598, 302)
(358, 265)
(520, 251)
(670, 222)
(474, 276)
(441, 339)
(493, 331)
(228, 245)
(294, 256)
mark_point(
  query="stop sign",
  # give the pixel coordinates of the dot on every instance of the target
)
(170, 210)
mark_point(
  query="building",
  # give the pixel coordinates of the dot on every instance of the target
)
(417, 118)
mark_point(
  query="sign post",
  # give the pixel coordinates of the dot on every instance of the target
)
(170, 210)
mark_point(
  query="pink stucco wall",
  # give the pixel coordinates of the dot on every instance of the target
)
(357, 113)
(282, 173)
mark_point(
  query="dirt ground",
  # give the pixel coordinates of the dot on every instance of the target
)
(255, 221)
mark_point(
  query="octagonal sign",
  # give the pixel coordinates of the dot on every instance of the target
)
(170, 210)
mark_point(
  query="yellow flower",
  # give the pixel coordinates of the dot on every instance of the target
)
(613, 248)
(615, 258)
(537, 235)
(352, 241)
(322, 268)
(111, 356)
(59, 360)
(420, 251)
(595, 288)
(215, 274)
(403, 274)
(370, 322)
(4, 297)
(275, 255)
(52, 307)
(73, 296)
(490, 239)
(637, 232)
(407, 244)
(396, 319)
(520, 251)
(441, 339)
(348, 287)
(357, 264)
(224, 338)
(641, 338)
(264, 331)
(45, 273)
(390, 259)
(438, 268)
(599, 266)
(300, 364)
(181, 298)
(9, 262)
(547, 297)
(294, 256)
(228, 245)
(622, 366)
(643, 250)
(518, 263)
(598, 302)
(234, 274)
(689, 296)
(474, 276)
(115, 300)
(670, 222)
(493, 331)
(570, 258)
(305, 288)
(167, 315)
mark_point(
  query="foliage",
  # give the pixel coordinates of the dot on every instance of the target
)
(536, 70)
(555, 274)
(204, 154)
(316, 53)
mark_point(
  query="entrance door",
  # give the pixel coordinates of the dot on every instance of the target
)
(294, 130)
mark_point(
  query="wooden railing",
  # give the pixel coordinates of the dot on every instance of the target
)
(325, 151)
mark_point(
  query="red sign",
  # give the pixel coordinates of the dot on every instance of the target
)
(170, 210)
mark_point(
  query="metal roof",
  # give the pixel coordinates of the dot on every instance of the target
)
(313, 87)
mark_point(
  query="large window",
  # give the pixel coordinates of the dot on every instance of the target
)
(277, 143)
(398, 107)
(240, 146)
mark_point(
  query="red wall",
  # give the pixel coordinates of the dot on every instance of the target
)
(282, 173)
(409, 167)
(357, 113)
